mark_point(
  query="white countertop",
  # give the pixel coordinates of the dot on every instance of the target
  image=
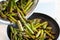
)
(49, 7)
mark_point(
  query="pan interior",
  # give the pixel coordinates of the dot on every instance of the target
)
(44, 17)
(51, 21)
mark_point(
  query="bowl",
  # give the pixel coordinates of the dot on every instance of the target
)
(51, 21)
(29, 12)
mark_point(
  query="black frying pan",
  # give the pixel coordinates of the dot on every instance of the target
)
(50, 20)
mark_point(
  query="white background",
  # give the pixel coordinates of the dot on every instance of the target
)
(49, 7)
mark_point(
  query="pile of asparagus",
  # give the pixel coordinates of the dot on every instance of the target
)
(27, 29)
(31, 30)
(10, 8)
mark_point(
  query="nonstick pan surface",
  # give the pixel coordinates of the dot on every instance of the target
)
(44, 17)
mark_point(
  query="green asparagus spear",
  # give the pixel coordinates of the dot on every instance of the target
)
(20, 25)
(42, 35)
(12, 18)
(12, 29)
(50, 39)
(15, 32)
(11, 36)
(19, 11)
(11, 5)
(49, 34)
(39, 25)
(33, 27)
(23, 10)
(38, 33)
(29, 34)
(27, 4)
(11, 14)
(45, 25)
(34, 21)
(49, 28)
(25, 23)
(38, 20)
(20, 36)
(3, 15)
(15, 38)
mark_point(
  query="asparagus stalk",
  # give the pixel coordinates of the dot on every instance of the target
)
(28, 6)
(23, 10)
(49, 34)
(11, 5)
(20, 26)
(18, 10)
(33, 27)
(42, 35)
(11, 14)
(49, 28)
(11, 36)
(15, 32)
(12, 29)
(3, 15)
(3, 5)
(15, 38)
(29, 34)
(28, 3)
(39, 25)
(25, 23)
(20, 36)
(38, 20)
(34, 21)
(38, 33)
(12, 18)
(45, 25)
